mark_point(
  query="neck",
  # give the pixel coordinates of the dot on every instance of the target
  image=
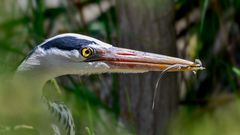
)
(31, 83)
(34, 70)
(34, 78)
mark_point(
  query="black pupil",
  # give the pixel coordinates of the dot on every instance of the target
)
(87, 51)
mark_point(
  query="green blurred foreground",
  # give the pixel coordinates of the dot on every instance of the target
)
(23, 112)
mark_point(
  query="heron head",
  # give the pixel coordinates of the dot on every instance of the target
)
(78, 54)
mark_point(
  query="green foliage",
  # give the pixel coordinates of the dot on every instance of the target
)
(236, 71)
(222, 120)
(21, 29)
(203, 13)
(211, 105)
(32, 25)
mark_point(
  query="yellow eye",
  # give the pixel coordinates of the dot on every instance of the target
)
(86, 52)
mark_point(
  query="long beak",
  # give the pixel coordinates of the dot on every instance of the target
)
(120, 58)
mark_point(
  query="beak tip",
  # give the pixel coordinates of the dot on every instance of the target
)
(200, 68)
(195, 66)
(198, 65)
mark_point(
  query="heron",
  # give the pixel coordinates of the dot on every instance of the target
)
(71, 53)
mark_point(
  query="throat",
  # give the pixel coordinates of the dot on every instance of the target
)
(34, 78)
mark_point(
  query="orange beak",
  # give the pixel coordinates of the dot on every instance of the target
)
(121, 58)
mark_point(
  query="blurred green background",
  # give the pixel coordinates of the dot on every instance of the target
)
(208, 30)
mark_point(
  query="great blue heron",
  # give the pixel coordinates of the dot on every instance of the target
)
(78, 54)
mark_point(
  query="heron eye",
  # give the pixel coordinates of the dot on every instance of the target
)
(86, 52)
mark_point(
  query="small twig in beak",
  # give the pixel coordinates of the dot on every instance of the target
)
(175, 66)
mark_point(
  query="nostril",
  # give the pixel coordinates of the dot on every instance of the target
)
(126, 54)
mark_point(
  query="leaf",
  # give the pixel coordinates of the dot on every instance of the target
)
(236, 71)
(13, 23)
(89, 132)
(203, 13)
(57, 87)
(12, 50)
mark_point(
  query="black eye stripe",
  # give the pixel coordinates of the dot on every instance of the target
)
(67, 43)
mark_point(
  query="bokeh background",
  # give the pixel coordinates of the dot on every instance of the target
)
(188, 104)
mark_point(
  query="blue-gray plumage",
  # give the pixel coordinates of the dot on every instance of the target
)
(63, 115)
